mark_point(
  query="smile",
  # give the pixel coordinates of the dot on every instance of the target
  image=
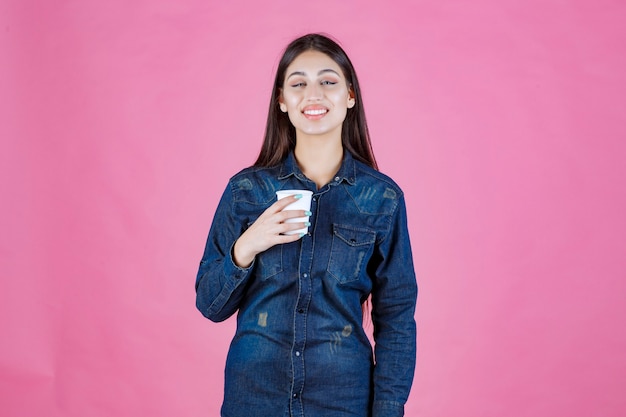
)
(315, 112)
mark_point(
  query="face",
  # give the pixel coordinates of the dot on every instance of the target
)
(315, 95)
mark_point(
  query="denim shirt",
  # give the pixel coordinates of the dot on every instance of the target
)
(300, 348)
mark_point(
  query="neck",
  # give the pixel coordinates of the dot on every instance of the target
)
(319, 159)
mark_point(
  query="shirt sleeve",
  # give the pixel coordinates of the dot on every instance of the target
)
(220, 283)
(393, 308)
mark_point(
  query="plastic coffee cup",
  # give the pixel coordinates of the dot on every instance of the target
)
(303, 203)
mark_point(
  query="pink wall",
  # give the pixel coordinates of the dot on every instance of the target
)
(121, 122)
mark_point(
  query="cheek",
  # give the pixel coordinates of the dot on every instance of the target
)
(340, 98)
(292, 114)
(291, 102)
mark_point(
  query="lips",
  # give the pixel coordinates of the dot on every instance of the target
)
(315, 111)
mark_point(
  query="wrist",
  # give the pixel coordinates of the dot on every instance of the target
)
(240, 257)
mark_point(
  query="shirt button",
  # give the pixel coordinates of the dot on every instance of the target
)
(305, 275)
(295, 395)
(297, 353)
(337, 178)
(301, 311)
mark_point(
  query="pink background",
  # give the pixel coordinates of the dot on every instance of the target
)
(121, 121)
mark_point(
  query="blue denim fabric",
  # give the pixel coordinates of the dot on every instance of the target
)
(300, 348)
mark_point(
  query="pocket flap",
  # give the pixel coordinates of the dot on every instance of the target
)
(354, 236)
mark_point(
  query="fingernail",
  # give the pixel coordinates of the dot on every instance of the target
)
(301, 234)
(298, 196)
(307, 224)
(308, 213)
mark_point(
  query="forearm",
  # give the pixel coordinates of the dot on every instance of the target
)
(219, 287)
(395, 353)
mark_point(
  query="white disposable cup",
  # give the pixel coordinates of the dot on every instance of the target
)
(303, 203)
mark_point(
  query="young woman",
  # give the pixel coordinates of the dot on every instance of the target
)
(300, 348)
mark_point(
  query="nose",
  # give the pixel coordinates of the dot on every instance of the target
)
(313, 92)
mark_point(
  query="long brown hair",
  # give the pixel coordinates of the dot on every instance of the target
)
(280, 135)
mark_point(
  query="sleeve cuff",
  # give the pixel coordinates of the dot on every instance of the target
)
(232, 270)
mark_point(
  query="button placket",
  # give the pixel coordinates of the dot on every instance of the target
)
(300, 315)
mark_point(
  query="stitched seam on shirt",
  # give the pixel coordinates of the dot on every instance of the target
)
(389, 219)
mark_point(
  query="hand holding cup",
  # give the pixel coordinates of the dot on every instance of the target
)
(284, 221)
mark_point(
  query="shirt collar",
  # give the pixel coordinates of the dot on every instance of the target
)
(347, 171)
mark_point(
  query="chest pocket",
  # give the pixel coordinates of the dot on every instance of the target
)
(350, 249)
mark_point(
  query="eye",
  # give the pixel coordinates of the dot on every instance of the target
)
(328, 82)
(298, 84)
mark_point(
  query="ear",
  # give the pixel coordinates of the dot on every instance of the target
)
(351, 99)
(281, 102)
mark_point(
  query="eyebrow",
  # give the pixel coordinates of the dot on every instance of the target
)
(319, 73)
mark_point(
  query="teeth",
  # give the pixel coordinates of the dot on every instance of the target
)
(315, 112)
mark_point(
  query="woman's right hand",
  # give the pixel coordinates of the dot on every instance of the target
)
(267, 231)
